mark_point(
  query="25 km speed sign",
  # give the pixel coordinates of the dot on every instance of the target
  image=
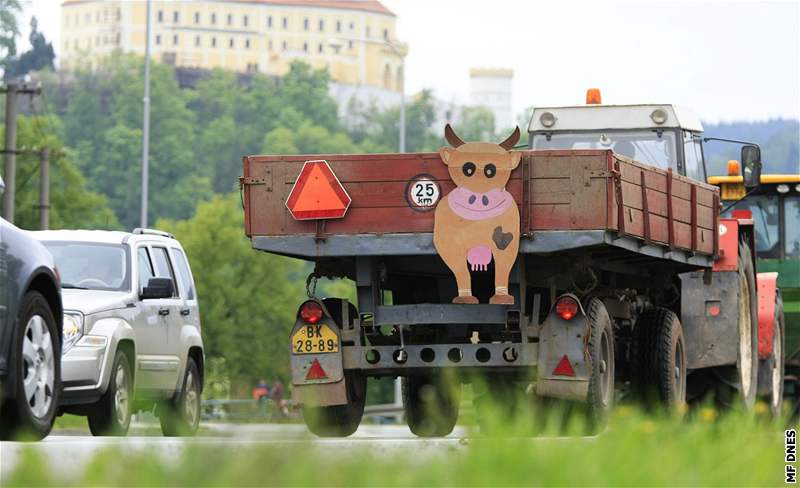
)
(422, 193)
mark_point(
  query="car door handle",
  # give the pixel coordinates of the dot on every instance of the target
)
(185, 311)
(163, 311)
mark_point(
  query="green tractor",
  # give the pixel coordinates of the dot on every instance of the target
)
(775, 207)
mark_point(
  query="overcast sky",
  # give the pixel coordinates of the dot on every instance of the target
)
(727, 60)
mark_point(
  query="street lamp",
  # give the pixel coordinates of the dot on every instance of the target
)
(398, 50)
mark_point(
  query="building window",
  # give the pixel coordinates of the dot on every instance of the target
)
(119, 14)
(213, 42)
(247, 43)
(319, 48)
(305, 24)
(230, 19)
(283, 45)
(175, 40)
(352, 26)
(386, 34)
(158, 39)
(338, 26)
(197, 17)
(350, 45)
(269, 21)
(367, 31)
(285, 22)
(118, 39)
(244, 21)
(321, 25)
(305, 47)
(230, 43)
(175, 16)
(387, 77)
(213, 19)
(161, 16)
(197, 41)
(270, 45)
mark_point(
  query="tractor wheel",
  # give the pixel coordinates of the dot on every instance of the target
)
(431, 404)
(747, 360)
(770, 370)
(600, 399)
(660, 358)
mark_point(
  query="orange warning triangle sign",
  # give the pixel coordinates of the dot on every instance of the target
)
(317, 193)
(564, 368)
(315, 372)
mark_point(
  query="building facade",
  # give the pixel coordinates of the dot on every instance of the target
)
(355, 39)
(491, 88)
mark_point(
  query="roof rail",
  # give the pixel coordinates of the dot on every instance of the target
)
(152, 232)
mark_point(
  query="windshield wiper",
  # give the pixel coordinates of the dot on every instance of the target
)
(73, 287)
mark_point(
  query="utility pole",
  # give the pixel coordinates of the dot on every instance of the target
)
(146, 122)
(12, 90)
(44, 189)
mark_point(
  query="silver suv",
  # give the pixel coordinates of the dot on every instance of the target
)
(131, 329)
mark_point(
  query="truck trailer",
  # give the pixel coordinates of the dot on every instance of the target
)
(588, 265)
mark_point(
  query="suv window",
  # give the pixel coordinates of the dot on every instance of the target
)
(693, 156)
(185, 278)
(792, 221)
(145, 269)
(163, 267)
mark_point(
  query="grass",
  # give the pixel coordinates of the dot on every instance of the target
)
(702, 448)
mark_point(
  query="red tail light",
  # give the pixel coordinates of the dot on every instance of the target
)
(566, 307)
(311, 312)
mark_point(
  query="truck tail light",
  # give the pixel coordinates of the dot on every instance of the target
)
(566, 307)
(311, 312)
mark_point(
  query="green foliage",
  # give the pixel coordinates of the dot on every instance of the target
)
(248, 298)
(477, 124)
(39, 57)
(9, 28)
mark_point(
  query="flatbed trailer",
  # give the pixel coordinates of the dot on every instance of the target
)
(614, 255)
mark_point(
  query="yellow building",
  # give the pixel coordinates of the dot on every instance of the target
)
(354, 39)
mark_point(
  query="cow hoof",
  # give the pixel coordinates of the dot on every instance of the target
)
(471, 300)
(502, 300)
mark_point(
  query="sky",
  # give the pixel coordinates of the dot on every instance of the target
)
(726, 60)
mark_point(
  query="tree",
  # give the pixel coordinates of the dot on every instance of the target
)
(39, 57)
(477, 124)
(9, 29)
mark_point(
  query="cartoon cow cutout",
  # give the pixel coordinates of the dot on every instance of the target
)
(479, 219)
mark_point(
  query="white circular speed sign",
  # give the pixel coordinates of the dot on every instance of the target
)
(422, 193)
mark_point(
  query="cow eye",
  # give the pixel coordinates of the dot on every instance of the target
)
(490, 170)
(469, 169)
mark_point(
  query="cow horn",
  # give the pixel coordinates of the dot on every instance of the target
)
(512, 140)
(451, 136)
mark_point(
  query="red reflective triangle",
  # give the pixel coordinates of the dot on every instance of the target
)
(317, 193)
(315, 372)
(564, 368)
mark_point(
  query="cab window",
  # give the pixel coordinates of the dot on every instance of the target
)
(791, 212)
(184, 277)
(766, 220)
(693, 156)
(145, 268)
(163, 268)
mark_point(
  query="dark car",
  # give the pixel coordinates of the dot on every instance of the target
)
(31, 320)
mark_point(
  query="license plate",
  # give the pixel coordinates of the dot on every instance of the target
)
(732, 192)
(315, 339)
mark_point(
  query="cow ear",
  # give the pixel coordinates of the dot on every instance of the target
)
(445, 154)
(515, 158)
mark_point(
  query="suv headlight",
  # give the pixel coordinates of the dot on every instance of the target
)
(72, 330)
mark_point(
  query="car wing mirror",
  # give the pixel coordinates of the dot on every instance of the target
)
(158, 288)
(751, 165)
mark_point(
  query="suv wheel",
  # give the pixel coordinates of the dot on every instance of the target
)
(111, 416)
(181, 415)
(36, 382)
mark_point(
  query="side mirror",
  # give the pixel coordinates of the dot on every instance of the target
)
(751, 165)
(158, 288)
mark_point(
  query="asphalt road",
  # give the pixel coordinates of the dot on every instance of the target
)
(69, 451)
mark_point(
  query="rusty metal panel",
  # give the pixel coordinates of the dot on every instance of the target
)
(709, 316)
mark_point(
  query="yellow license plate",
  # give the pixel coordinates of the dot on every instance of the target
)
(315, 339)
(732, 192)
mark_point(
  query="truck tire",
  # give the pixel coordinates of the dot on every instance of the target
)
(430, 404)
(180, 416)
(111, 416)
(36, 384)
(660, 358)
(747, 360)
(600, 398)
(771, 370)
(339, 420)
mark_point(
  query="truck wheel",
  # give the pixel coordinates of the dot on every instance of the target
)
(111, 416)
(600, 398)
(770, 370)
(37, 372)
(430, 404)
(747, 360)
(180, 416)
(660, 360)
(339, 420)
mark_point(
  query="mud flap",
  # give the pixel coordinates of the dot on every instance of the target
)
(563, 368)
(318, 378)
